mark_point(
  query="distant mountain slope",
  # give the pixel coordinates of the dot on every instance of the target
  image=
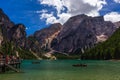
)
(82, 32)
(46, 35)
(109, 49)
(78, 34)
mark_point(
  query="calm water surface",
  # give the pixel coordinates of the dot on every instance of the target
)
(63, 70)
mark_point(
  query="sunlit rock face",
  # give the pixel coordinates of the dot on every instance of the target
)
(46, 35)
(81, 32)
(101, 38)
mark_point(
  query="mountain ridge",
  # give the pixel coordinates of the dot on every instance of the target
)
(80, 28)
(79, 33)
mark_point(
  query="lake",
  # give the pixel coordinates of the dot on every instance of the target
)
(63, 70)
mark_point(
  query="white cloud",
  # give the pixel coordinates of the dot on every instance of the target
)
(63, 17)
(113, 16)
(98, 4)
(74, 7)
(42, 11)
(58, 4)
(117, 1)
(50, 18)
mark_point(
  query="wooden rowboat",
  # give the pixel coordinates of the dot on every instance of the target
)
(79, 65)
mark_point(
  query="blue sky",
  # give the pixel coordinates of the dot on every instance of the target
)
(37, 14)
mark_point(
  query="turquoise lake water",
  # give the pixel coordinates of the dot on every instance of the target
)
(63, 70)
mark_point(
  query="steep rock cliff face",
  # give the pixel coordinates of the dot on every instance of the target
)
(4, 20)
(46, 35)
(13, 38)
(100, 28)
(5, 25)
(10, 32)
(81, 32)
(17, 34)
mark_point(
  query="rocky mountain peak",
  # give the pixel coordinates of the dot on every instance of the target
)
(81, 32)
(48, 31)
(3, 17)
(46, 35)
(77, 17)
(74, 22)
(10, 31)
(5, 22)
